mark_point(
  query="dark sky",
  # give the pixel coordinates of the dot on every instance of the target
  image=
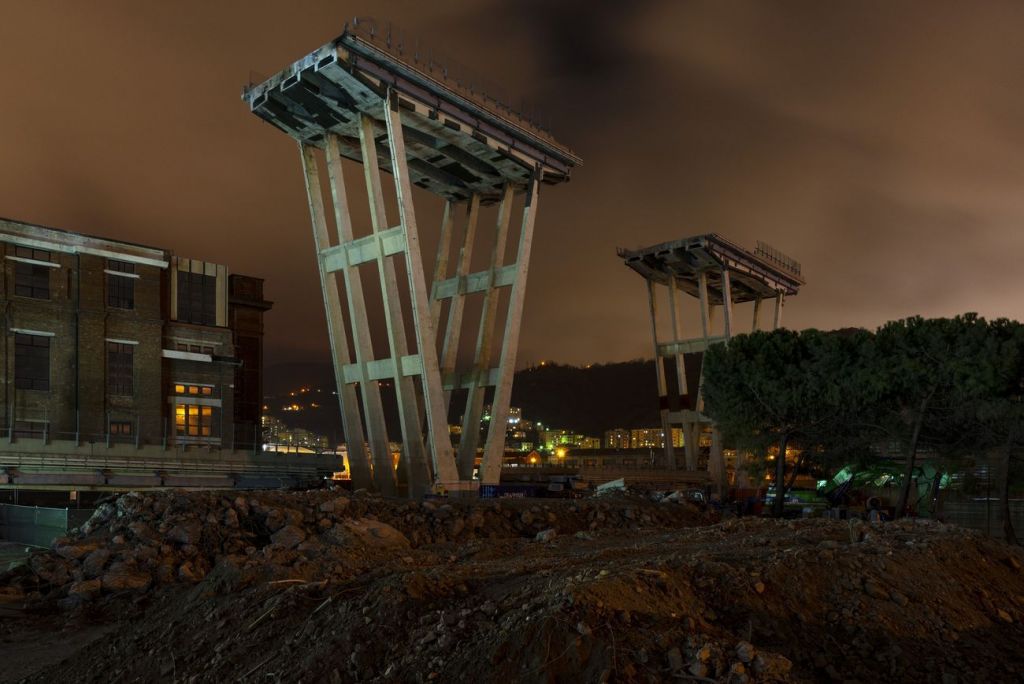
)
(879, 143)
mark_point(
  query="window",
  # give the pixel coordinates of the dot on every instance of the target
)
(32, 280)
(34, 429)
(32, 362)
(197, 298)
(193, 348)
(191, 420)
(120, 369)
(194, 390)
(121, 428)
(120, 288)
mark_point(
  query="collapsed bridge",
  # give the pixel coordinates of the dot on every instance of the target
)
(372, 97)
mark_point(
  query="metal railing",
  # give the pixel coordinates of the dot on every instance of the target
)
(769, 253)
(391, 40)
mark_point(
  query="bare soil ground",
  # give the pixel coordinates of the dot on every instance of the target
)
(322, 586)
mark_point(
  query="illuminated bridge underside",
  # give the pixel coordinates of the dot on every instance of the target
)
(357, 100)
(456, 148)
(752, 277)
(719, 274)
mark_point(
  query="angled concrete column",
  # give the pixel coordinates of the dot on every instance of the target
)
(716, 463)
(482, 365)
(777, 320)
(727, 302)
(358, 462)
(423, 322)
(453, 327)
(444, 249)
(663, 408)
(705, 306)
(679, 359)
(373, 408)
(397, 344)
(494, 449)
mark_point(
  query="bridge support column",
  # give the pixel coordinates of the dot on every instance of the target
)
(423, 375)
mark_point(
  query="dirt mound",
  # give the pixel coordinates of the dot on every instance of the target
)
(141, 541)
(622, 591)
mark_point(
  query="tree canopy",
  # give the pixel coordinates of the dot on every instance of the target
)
(953, 384)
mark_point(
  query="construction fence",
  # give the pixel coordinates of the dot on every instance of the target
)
(38, 526)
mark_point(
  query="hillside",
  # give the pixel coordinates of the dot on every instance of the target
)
(588, 400)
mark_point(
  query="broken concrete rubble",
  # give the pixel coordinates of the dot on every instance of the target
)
(629, 590)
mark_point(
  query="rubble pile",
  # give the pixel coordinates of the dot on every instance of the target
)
(605, 589)
(141, 541)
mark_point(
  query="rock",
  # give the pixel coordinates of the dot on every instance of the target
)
(899, 599)
(230, 518)
(86, 589)
(279, 517)
(583, 628)
(375, 533)
(1004, 616)
(546, 535)
(675, 659)
(75, 551)
(745, 652)
(95, 562)
(165, 573)
(458, 525)
(188, 573)
(288, 536)
(759, 587)
(142, 531)
(704, 654)
(526, 518)
(122, 579)
(186, 533)
(334, 505)
(103, 513)
(129, 505)
(698, 669)
(876, 590)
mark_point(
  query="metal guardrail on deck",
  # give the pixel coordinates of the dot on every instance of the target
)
(36, 462)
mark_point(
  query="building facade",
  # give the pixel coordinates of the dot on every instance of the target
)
(653, 438)
(109, 341)
(617, 439)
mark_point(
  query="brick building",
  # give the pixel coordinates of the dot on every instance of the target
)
(117, 342)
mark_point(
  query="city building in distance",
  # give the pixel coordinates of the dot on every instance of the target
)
(112, 342)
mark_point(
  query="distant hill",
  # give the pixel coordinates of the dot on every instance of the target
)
(587, 400)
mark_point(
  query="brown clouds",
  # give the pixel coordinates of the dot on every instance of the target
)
(878, 143)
